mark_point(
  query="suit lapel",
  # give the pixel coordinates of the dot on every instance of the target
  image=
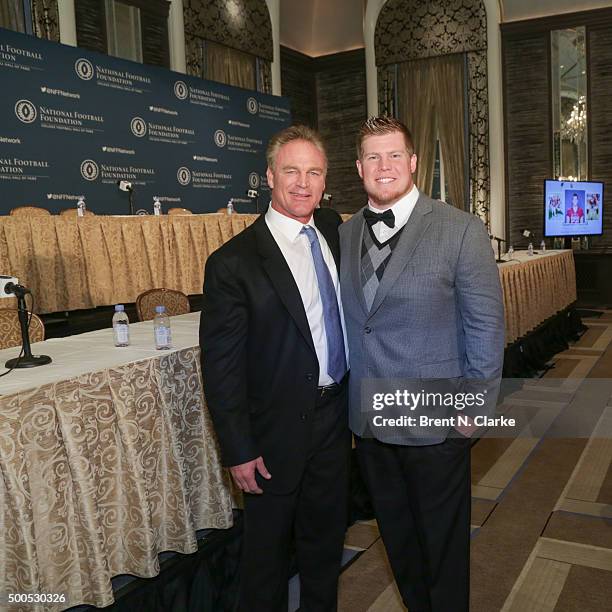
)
(331, 237)
(281, 277)
(414, 230)
(355, 258)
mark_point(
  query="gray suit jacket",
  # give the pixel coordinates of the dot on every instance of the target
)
(438, 312)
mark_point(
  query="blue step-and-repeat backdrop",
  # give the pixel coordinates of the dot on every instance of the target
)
(74, 123)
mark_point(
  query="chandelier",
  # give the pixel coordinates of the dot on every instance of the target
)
(574, 127)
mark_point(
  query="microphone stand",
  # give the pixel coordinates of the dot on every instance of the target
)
(499, 241)
(27, 360)
(131, 200)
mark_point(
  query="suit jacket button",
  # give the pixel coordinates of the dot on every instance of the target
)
(367, 330)
(309, 377)
(304, 416)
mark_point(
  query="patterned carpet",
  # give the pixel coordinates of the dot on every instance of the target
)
(541, 507)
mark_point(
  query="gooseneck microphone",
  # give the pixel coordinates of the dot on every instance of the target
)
(499, 241)
(26, 359)
(129, 187)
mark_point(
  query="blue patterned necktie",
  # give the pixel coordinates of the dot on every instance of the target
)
(336, 357)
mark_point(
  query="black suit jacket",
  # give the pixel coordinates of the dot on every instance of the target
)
(259, 365)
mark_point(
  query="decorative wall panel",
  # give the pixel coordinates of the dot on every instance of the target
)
(413, 29)
(478, 135)
(45, 19)
(241, 24)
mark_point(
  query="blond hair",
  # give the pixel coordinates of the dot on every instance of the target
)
(294, 132)
(378, 126)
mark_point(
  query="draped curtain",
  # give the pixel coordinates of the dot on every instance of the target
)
(416, 104)
(432, 105)
(11, 15)
(229, 66)
(448, 81)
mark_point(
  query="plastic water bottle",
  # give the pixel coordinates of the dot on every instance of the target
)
(161, 326)
(510, 252)
(81, 207)
(530, 249)
(230, 207)
(543, 245)
(121, 326)
(156, 206)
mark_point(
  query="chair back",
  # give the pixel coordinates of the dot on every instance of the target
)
(73, 212)
(29, 211)
(176, 303)
(10, 332)
(179, 211)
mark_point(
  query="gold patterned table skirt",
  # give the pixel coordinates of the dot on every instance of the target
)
(100, 473)
(536, 288)
(74, 263)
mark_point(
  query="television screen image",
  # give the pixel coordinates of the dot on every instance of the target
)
(573, 208)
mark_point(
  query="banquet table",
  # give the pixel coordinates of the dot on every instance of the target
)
(71, 263)
(535, 288)
(107, 458)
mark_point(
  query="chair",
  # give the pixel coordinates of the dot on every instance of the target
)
(179, 211)
(72, 212)
(29, 211)
(10, 332)
(176, 303)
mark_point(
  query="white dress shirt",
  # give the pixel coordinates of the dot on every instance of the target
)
(295, 248)
(402, 210)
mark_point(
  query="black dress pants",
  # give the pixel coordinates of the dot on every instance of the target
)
(314, 516)
(422, 501)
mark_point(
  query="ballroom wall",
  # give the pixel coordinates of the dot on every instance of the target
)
(329, 94)
(528, 115)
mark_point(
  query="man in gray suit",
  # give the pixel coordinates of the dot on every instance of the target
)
(422, 300)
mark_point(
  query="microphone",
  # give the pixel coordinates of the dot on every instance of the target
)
(25, 358)
(4, 282)
(254, 195)
(125, 185)
(15, 289)
(499, 241)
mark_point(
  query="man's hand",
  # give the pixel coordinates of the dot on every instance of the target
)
(467, 431)
(244, 475)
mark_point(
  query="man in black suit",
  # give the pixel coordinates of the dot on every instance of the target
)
(274, 367)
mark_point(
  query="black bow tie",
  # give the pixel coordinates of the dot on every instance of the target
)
(372, 218)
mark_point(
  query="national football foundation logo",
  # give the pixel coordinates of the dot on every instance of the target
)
(138, 126)
(183, 175)
(253, 180)
(84, 69)
(252, 106)
(25, 111)
(89, 170)
(180, 90)
(220, 138)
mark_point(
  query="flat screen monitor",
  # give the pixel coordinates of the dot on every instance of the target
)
(573, 208)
